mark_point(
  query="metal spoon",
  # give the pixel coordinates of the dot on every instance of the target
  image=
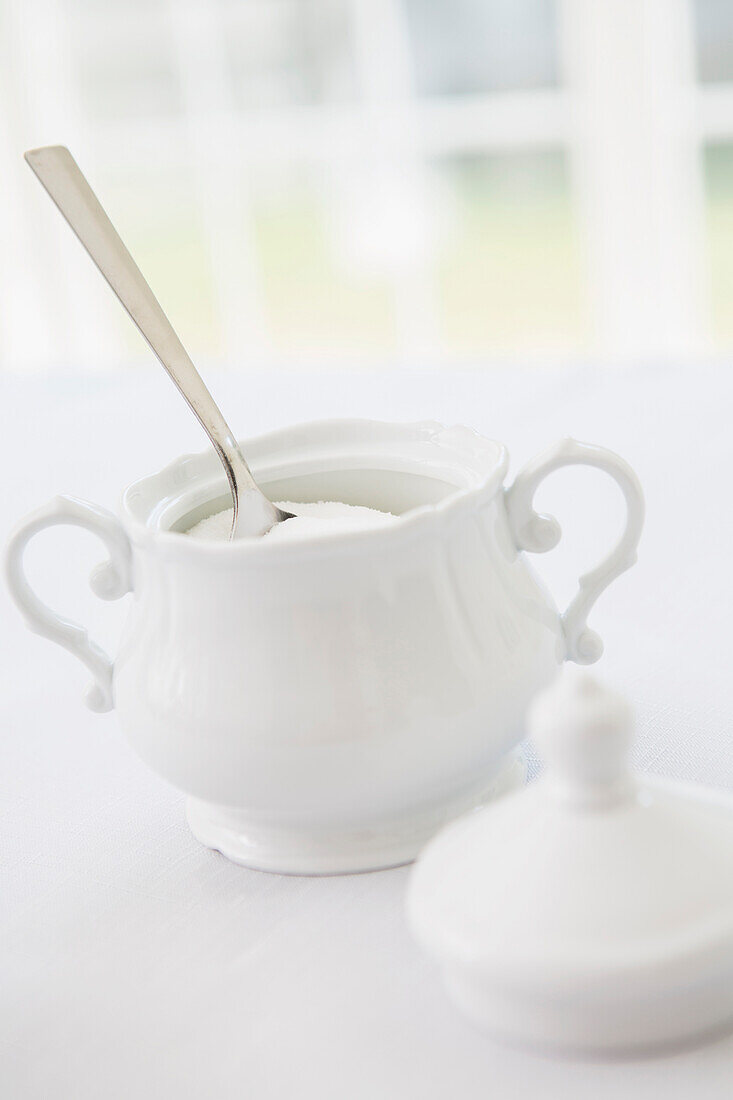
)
(59, 173)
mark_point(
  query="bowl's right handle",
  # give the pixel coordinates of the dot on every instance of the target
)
(109, 581)
(538, 533)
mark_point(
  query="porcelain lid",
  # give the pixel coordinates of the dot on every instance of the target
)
(590, 874)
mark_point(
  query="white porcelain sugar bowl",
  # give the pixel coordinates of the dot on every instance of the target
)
(592, 912)
(327, 704)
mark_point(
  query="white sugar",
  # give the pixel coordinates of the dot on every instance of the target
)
(327, 517)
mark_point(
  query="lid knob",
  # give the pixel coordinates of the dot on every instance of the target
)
(584, 731)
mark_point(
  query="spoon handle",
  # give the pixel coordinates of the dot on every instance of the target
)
(65, 183)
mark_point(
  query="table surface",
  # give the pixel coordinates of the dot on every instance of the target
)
(135, 963)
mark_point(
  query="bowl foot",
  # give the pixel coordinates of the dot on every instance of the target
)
(336, 849)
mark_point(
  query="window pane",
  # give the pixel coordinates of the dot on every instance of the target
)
(124, 60)
(509, 270)
(140, 84)
(714, 27)
(289, 51)
(465, 46)
(314, 303)
(719, 216)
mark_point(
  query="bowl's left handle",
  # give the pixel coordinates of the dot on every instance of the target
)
(538, 533)
(110, 580)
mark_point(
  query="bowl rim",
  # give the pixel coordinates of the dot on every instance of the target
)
(322, 446)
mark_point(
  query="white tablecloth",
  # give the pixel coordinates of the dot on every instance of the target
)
(136, 964)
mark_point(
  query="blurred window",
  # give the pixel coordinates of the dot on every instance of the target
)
(713, 25)
(461, 46)
(719, 218)
(509, 269)
(288, 51)
(714, 40)
(373, 181)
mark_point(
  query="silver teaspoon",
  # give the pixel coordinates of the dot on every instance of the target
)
(59, 173)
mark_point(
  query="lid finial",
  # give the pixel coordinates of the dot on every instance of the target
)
(584, 731)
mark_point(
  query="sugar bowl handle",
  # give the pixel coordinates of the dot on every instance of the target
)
(538, 533)
(110, 581)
